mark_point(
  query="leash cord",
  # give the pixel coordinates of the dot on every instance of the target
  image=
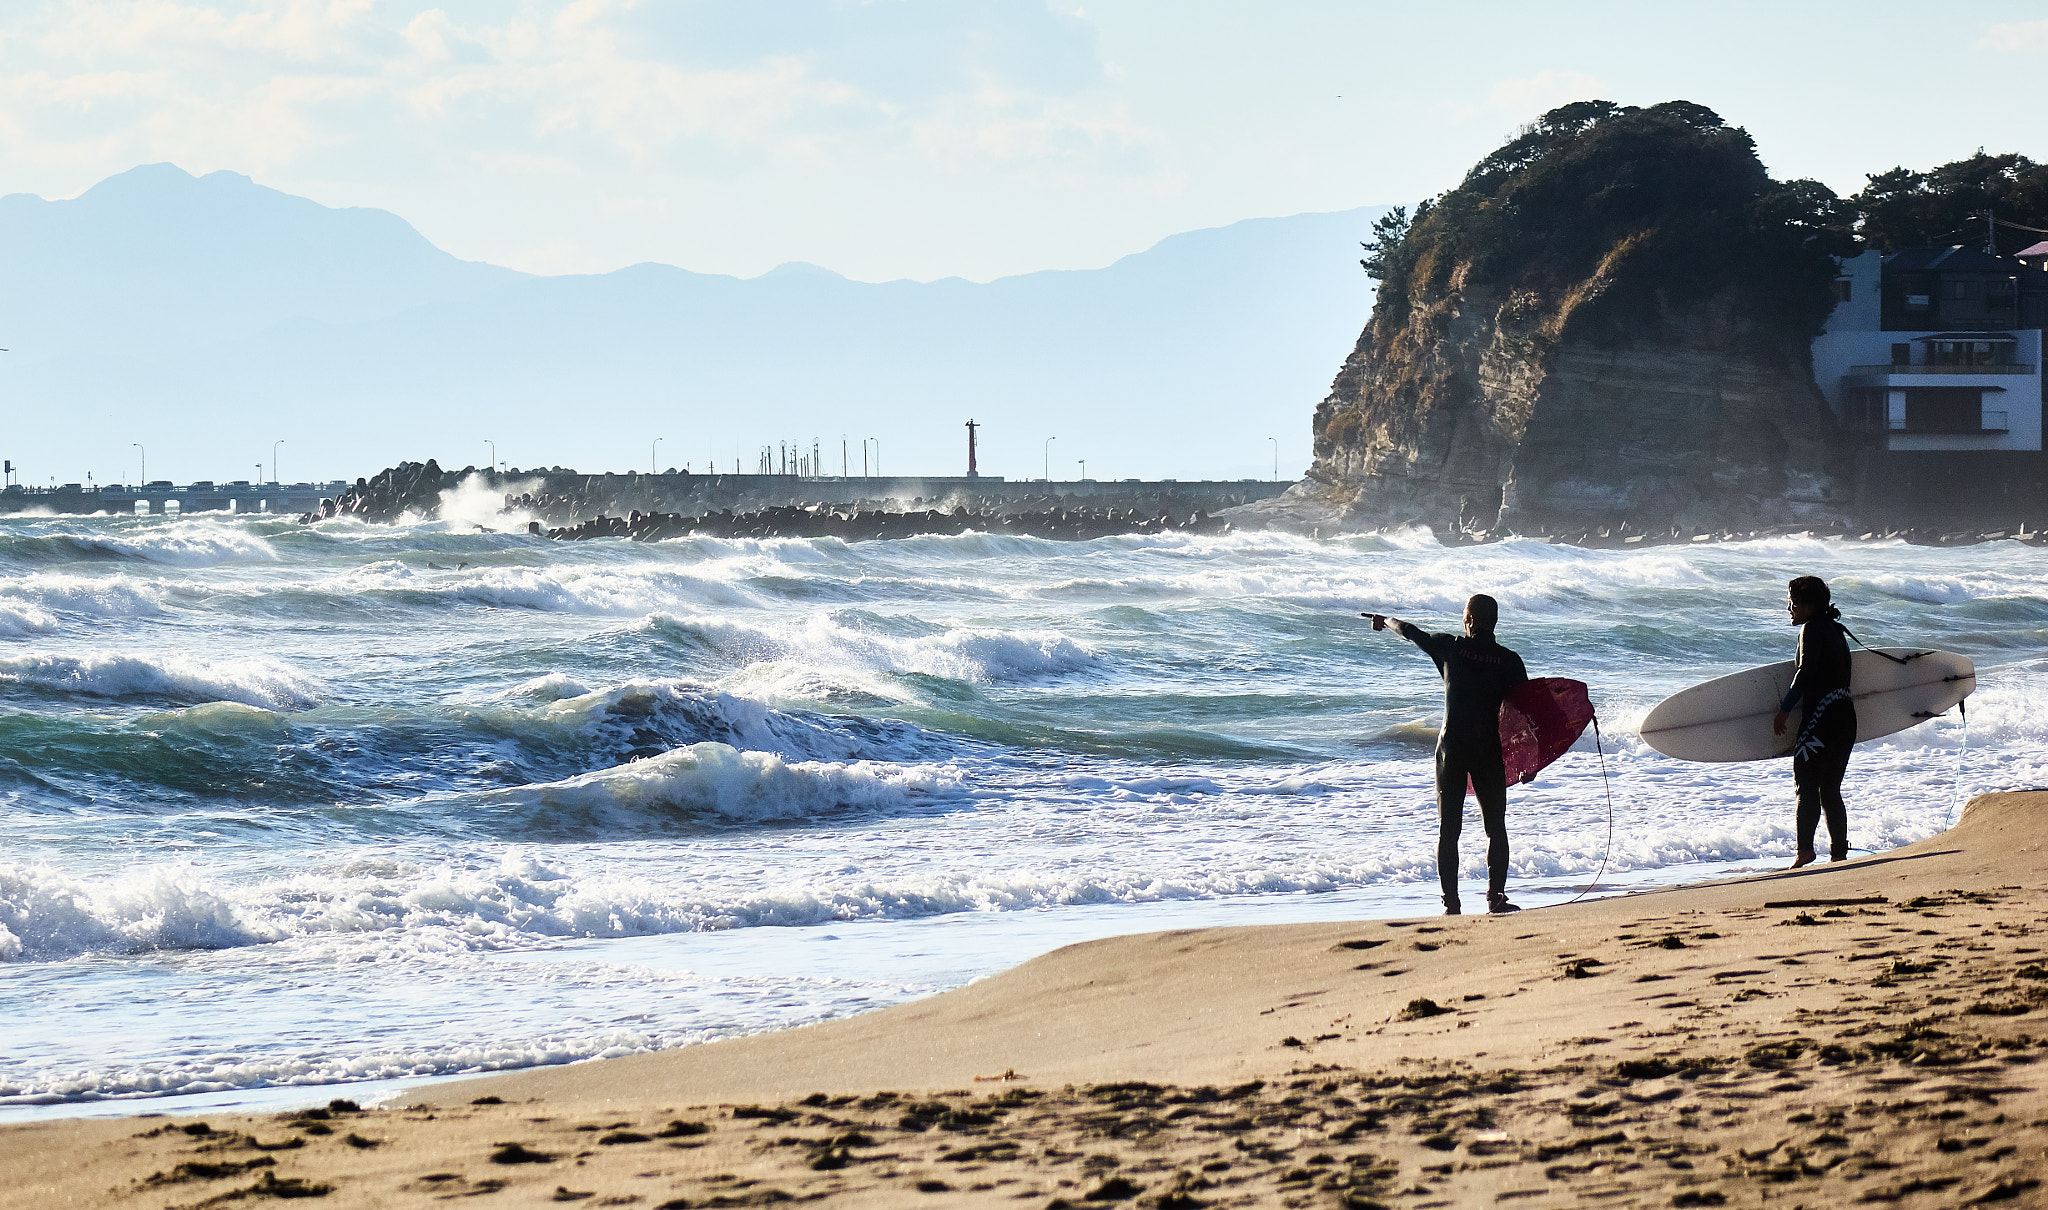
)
(1896, 659)
(1963, 705)
(1609, 786)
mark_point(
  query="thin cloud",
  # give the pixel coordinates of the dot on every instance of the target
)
(1546, 90)
(1011, 83)
(2016, 35)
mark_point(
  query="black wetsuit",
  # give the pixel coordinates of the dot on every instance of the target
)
(1478, 673)
(1827, 732)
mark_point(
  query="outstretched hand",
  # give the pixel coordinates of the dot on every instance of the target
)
(1379, 620)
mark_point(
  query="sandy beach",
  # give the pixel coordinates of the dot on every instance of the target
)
(1855, 1033)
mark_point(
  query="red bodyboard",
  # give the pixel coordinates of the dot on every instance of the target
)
(1539, 722)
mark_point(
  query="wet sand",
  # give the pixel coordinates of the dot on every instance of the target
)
(1858, 1033)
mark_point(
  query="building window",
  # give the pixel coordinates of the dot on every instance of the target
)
(1842, 289)
(1864, 409)
(1902, 355)
(1916, 302)
(1945, 410)
(1959, 289)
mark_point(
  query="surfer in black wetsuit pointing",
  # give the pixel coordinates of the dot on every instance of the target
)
(1478, 673)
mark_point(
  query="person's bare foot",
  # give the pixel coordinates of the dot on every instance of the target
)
(1805, 858)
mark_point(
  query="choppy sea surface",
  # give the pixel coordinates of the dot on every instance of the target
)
(300, 811)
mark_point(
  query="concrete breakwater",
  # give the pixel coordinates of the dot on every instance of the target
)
(564, 498)
(855, 524)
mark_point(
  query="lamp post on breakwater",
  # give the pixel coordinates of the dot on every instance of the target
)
(1276, 458)
(1048, 458)
(494, 452)
(274, 476)
(878, 456)
(653, 462)
(145, 462)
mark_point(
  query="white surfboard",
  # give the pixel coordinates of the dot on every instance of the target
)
(1729, 718)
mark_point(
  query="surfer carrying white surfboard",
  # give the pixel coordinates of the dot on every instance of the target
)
(1827, 728)
(1478, 675)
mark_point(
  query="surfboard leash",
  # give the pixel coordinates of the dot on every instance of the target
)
(1955, 795)
(1896, 659)
(1609, 787)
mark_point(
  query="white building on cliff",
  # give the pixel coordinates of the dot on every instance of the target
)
(1937, 349)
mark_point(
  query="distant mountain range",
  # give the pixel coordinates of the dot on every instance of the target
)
(209, 317)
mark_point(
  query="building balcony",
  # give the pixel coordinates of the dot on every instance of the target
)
(2014, 368)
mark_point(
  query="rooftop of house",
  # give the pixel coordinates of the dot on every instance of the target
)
(1956, 258)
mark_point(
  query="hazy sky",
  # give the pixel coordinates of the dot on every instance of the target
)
(922, 138)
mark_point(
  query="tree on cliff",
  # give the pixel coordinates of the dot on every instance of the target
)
(1906, 209)
(1607, 320)
(1672, 187)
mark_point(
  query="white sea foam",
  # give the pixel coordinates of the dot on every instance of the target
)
(627, 716)
(93, 596)
(552, 687)
(250, 680)
(626, 592)
(973, 654)
(718, 781)
(179, 543)
(182, 1076)
(46, 916)
(21, 617)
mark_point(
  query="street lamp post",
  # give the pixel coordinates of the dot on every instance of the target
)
(145, 462)
(1048, 458)
(494, 452)
(274, 476)
(1276, 458)
(1084, 468)
(878, 456)
(653, 461)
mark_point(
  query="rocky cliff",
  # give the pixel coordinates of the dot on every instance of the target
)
(1606, 323)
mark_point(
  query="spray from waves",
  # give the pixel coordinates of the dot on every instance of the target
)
(475, 504)
(251, 680)
(46, 916)
(173, 544)
(970, 654)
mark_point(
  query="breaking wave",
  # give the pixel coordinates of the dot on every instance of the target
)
(251, 680)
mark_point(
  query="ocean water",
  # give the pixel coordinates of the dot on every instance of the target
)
(287, 812)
